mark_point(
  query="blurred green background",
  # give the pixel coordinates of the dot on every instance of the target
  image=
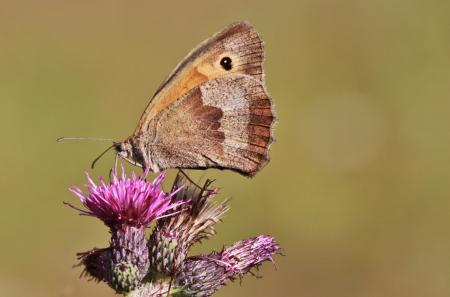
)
(357, 191)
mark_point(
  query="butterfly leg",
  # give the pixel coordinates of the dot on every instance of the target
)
(113, 170)
(116, 161)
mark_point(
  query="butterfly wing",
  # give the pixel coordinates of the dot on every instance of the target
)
(224, 123)
(239, 42)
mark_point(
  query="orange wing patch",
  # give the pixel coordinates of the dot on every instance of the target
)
(185, 83)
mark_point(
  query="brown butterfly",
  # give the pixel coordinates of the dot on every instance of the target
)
(213, 110)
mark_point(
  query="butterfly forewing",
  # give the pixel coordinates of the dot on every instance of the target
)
(238, 42)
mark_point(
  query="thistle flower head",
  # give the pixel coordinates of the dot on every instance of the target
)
(125, 201)
(204, 275)
(247, 254)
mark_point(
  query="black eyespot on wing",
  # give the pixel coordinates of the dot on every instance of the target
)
(226, 63)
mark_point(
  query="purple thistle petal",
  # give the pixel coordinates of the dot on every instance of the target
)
(131, 201)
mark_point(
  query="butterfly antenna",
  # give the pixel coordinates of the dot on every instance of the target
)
(101, 155)
(83, 138)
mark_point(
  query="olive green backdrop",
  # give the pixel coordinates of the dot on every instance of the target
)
(357, 189)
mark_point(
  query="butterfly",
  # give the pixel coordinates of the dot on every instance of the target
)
(212, 111)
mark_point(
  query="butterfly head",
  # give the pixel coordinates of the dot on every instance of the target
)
(129, 151)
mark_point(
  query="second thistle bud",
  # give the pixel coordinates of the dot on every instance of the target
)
(174, 235)
(165, 253)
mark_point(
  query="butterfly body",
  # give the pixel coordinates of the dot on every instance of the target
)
(213, 110)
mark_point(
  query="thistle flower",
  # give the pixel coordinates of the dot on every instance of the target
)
(125, 201)
(204, 275)
(159, 266)
(247, 254)
(126, 206)
(174, 235)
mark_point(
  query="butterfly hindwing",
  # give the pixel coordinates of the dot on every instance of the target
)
(223, 123)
